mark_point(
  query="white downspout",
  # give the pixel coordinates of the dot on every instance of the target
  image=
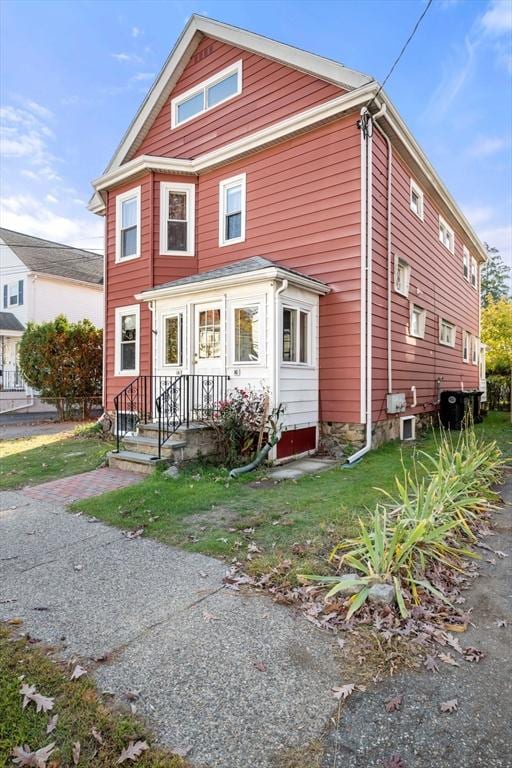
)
(367, 287)
(277, 345)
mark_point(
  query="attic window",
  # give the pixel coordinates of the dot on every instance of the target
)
(209, 94)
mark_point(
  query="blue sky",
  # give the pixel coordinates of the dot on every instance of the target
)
(74, 74)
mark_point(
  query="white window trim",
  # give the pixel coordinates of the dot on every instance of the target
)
(399, 261)
(135, 192)
(423, 321)
(308, 363)
(15, 294)
(190, 191)
(475, 349)
(217, 77)
(466, 358)
(243, 305)
(412, 419)
(224, 185)
(473, 265)
(133, 309)
(415, 188)
(453, 329)
(466, 259)
(443, 223)
(173, 313)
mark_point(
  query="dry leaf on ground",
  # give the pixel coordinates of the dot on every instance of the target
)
(78, 672)
(431, 664)
(393, 704)
(29, 693)
(393, 761)
(52, 724)
(343, 691)
(448, 659)
(37, 759)
(260, 666)
(209, 617)
(133, 751)
(76, 752)
(473, 654)
(97, 735)
(449, 706)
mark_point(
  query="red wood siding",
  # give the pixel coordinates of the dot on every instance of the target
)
(303, 203)
(296, 441)
(270, 92)
(437, 284)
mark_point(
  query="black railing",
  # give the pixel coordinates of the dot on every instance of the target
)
(11, 381)
(171, 401)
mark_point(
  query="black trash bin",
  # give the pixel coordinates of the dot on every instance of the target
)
(459, 407)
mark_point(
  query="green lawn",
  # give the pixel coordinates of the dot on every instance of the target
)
(36, 459)
(204, 511)
(79, 708)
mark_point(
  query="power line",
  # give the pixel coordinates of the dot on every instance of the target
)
(401, 52)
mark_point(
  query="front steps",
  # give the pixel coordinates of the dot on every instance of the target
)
(139, 452)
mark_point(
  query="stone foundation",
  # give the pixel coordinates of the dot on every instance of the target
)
(343, 438)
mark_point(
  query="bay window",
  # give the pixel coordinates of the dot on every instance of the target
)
(177, 219)
(128, 225)
(295, 336)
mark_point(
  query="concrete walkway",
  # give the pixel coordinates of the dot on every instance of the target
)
(237, 679)
(479, 733)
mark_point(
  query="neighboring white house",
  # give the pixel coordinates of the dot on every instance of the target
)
(40, 279)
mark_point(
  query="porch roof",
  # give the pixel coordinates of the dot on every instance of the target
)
(245, 270)
(9, 322)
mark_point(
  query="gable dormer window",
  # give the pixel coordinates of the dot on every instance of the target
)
(209, 94)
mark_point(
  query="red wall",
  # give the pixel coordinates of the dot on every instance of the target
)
(437, 284)
(271, 92)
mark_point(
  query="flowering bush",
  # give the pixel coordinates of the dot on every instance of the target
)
(239, 422)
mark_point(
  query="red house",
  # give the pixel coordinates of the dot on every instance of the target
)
(271, 221)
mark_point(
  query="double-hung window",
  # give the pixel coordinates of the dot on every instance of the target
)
(417, 321)
(466, 258)
(417, 200)
(446, 236)
(402, 277)
(475, 343)
(127, 340)
(447, 333)
(474, 272)
(173, 339)
(128, 225)
(247, 334)
(13, 294)
(177, 219)
(221, 87)
(295, 339)
(232, 206)
(466, 346)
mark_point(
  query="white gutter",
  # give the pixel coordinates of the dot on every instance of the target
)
(367, 288)
(389, 254)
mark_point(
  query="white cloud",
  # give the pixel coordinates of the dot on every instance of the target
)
(25, 135)
(487, 145)
(25, 213)
(498, 17)
(51, 198)
(127, 57)
(143, 76)
(137, 32)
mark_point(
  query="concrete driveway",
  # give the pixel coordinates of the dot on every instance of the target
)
(235, 678)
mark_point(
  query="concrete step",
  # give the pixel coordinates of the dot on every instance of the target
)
(134, 461)
(149, 445)
(151, 428)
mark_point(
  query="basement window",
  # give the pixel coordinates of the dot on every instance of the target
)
(407, 427)
(209, 94)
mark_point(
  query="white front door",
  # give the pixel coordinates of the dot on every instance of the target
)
(209, 339)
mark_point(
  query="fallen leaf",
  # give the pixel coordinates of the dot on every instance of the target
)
(37, 759)
(473, 654)
(132, 695)
(449, 706)
(430, 664)
(78, 672)
(52, 724)
(448, 659)
(15, 621)
(209, 617)
(132, 751)
(393, 761)
(29, 693)
(501, 622)
(133, 534)
(343, 691)
(500, 554)
(393, 704)
(76, 752)
(97, 735)
(260, 666)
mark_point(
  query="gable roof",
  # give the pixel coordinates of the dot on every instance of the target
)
(9, 322)
(251, 266)
(199, 27)
(56, 259)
